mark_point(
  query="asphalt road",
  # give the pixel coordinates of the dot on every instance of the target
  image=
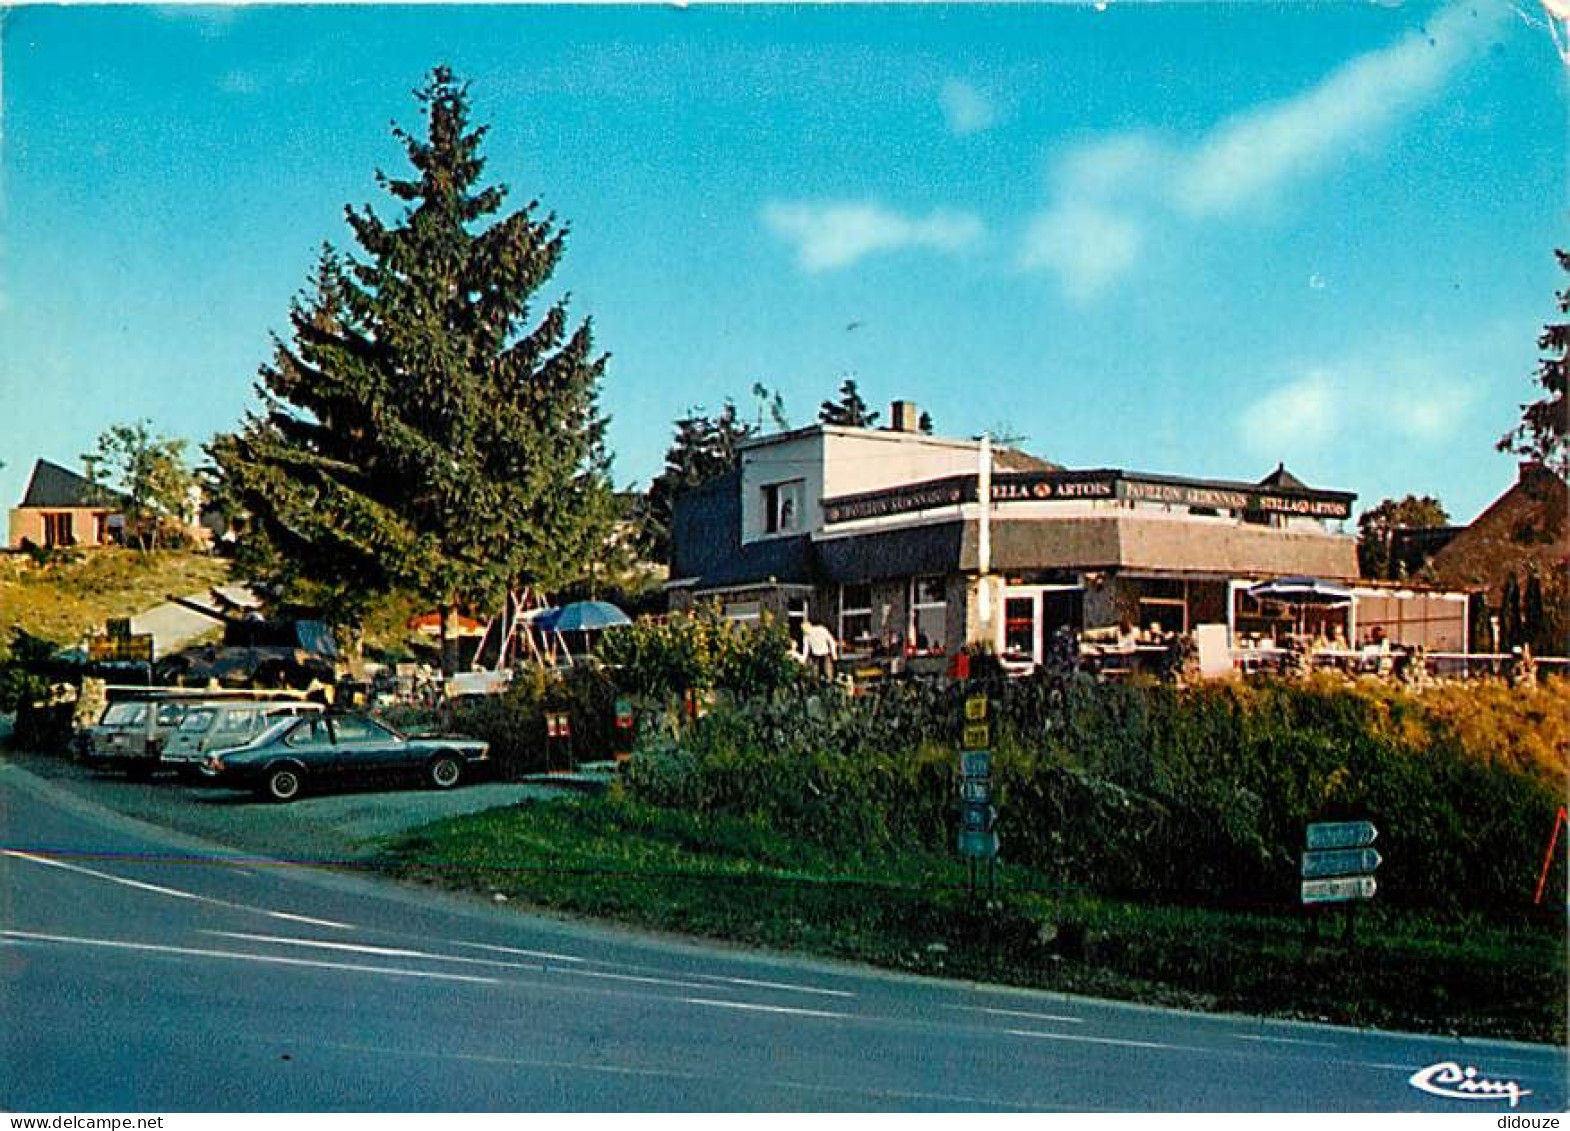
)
(143, 971)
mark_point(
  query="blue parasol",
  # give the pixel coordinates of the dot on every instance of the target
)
(582, 616)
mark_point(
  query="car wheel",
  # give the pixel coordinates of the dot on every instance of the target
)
(283, 783)
(444, 771)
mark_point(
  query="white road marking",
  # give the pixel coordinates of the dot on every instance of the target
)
(545, 954)
(173, 893)
(427, 956)
(383, 951)
(645, 979)
(675, 1074)
(752, 1007)
(1284, 1040)
(1019, 1013)
(1118, 1041)
(786, 986)
(238, 956)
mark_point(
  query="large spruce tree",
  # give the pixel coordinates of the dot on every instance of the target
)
(419, 432)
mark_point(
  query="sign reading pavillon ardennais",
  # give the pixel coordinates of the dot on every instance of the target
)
(1013, 487)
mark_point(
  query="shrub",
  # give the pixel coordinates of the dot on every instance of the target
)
(1195, 794)
(700, 651)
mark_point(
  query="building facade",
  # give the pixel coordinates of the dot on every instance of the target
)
(62, 508)
(912, 545)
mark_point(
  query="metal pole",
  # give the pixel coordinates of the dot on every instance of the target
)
(1548, 858)
(984, 533)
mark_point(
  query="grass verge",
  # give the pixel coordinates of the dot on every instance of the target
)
(728, 879)
(65, 599)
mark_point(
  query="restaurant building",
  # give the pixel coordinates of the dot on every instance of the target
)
(909, 545)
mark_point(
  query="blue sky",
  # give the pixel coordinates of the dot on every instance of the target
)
(1195, 239)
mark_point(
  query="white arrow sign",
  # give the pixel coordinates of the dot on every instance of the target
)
(1339, 891)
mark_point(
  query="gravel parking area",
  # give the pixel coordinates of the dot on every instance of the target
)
(342, 826)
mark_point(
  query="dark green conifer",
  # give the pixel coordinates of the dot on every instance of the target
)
(418, 432)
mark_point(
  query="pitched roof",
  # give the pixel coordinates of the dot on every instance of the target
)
(1016, 459)
(56, 486)
(1525, 528)
(1282, 478)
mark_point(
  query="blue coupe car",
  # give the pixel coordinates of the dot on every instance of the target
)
(307, 753)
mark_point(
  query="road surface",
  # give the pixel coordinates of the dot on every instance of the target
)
(141, 971)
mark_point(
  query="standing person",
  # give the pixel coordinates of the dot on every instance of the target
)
(819, 648)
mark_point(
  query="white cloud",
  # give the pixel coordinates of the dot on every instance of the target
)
(965, 109)
(1125, 182)
(1292, 419)
(1350, 401)
(1253, 153)
(1088, 246)
(833, 234)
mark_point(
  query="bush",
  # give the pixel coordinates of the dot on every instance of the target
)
(1199, 795)
(702, 651)
(514, 722)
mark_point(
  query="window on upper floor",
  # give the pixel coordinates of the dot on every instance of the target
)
(782, 505)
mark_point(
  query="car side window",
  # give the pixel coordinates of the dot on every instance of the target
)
(352, 728)
(311, 733)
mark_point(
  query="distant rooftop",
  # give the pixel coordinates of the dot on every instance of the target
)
(56, 486)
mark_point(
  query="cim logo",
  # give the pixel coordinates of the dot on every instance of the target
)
(1450, 1080)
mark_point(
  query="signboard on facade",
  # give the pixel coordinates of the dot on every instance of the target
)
(1059, 486)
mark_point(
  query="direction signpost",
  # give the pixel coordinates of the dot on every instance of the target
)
(978, 839)
(1344, 834)
(1338, 867)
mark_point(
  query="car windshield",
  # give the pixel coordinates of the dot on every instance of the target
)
(235, 720)
(197, 719)
(124, 714)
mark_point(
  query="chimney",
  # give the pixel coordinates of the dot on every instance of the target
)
(904, 416)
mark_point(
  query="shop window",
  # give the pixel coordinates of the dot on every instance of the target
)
(748, 612)
(856, 616)
(1164, 614)
(928, 615)
(782, 503)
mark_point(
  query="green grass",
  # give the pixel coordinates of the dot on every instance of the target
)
(738, 880)
(63, 600)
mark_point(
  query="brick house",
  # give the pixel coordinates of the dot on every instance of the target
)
(62, 508)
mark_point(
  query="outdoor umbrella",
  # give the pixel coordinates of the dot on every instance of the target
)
(582, 616)
(1303, 593)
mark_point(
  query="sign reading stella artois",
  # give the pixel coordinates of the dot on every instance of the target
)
(1047, 486)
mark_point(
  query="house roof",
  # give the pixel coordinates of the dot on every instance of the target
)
(56, 486)
(1525, 528)
(1282, 478)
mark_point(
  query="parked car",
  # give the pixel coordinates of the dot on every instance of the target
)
(221, 724)
(305, 753)
(130, 734)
